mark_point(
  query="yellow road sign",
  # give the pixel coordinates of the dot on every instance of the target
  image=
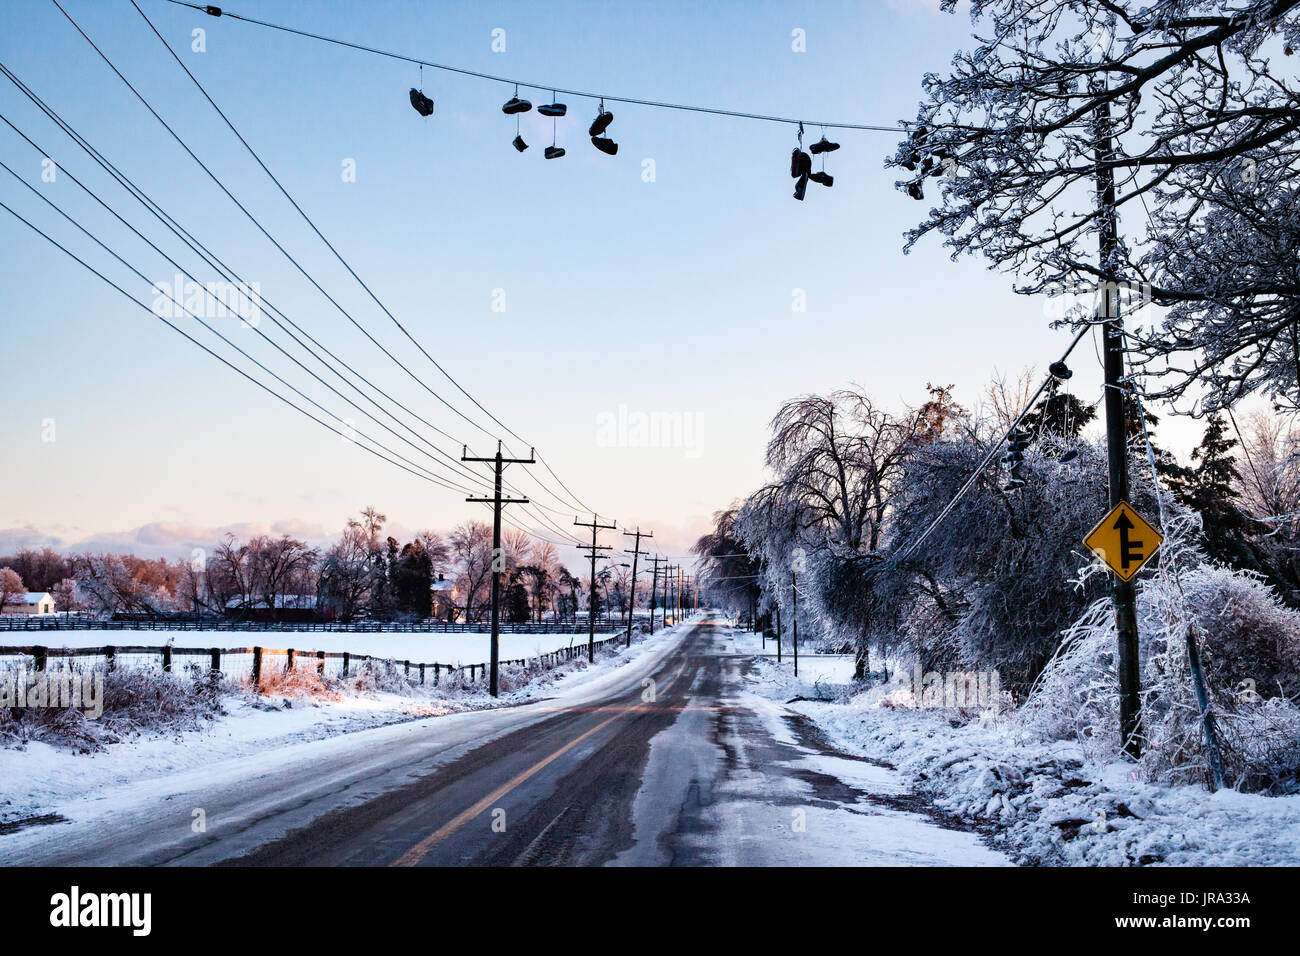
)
(1124, 540)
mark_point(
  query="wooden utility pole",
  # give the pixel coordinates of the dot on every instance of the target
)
(1123, 593)
(595, 549)
(498, 560)
(654, 586)
(635, 552)
(778, 632)
(794, 612)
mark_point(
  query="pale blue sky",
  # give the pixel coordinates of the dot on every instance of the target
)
(673, 296)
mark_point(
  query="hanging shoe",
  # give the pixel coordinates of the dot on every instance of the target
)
(800, 164)
(1060, 371)
(823, 145)
(605, 145)
(554, 152)
(600, 123)
(519, 144)
(516, 105)
(423, 105)
(553, 109)
(823, 177)
(800, 186)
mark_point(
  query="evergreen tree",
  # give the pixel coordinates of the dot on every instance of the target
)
(1062, 415)
(517, 605)
(1209, 487)
(412, 581)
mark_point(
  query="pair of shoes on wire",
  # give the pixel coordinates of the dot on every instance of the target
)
(597, 129)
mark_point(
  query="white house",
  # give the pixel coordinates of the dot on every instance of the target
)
(31, 604)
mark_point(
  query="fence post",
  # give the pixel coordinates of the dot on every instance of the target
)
(406, 669)
(110, 657)
(167, 658)
(346, 658)
(216, 658)
(39, 653)
(421, 674)
(288, 666)
(320, 663)
(257, 668)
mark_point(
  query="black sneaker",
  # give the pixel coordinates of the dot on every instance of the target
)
(516, 105)
(605, 145)
(423, 105)
(823, 177)
(823, 145)
(600, 123)
(554, 152)
(519, 144)
(800, 164)
(553, 109)
(800, 186)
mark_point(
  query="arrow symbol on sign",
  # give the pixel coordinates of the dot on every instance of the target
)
(1129, 551)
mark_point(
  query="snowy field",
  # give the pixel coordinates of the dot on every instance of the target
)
(453, 649)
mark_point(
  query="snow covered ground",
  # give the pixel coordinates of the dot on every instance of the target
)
(40, 778)
(1040, 802)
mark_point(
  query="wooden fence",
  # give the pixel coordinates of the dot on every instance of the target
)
(253, 664)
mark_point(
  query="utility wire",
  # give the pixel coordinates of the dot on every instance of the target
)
(272, 239)
(262, 229)
(306, 218)
(262, 385)
(549, 87)
(213, 261)
(911, 549)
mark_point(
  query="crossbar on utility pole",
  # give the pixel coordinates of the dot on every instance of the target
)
(635, 552)
(595, 549)
(498, 462)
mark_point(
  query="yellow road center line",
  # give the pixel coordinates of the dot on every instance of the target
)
(422, 849)
(418, 852)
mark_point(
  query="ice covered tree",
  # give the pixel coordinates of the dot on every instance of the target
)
(1183, 103)
(11, 587)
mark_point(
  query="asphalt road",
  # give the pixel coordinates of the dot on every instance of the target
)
(671, 760)
(673, 771)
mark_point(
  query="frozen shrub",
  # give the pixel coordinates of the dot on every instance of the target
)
(1246, 634)
(136, 700)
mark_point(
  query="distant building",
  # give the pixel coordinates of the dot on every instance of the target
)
(445, 593)
(288, 607)
(32, 604)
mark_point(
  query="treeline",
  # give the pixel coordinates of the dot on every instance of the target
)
(364, 574)
(998, 582)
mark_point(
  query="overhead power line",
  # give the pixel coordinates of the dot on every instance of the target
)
(551, 87)
(338, 255)
(294, 261)
(911, 549)
(225, 361)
